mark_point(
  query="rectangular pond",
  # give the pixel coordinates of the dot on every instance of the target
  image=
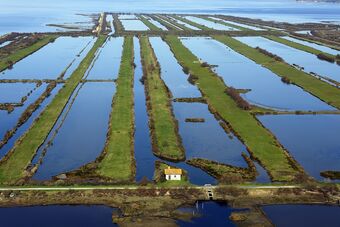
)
(167, 22)
(210, 24)
(266, 88)
(107, 62)
(134, 25)
(313, 140)
(156, 23)
(9, 120)
(22, 129)
(308, 61)
(314, 45)
(50, 61)
(303, 215)
(171, 72)
(82, 135)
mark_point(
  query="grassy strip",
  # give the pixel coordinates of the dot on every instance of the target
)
(13, 165)
(150, 25)
(118, 160)
(200, 26)
(174, 22)
(259, 141)
(225, 23)
(22, 53)
(166, 142)
(309, 83)
(309, 39)
(165, 22)
(298, 46)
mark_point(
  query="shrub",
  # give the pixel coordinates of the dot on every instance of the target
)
(265, 52)
(243, 104)
(186, 70)
(326, 58)
(286, 80)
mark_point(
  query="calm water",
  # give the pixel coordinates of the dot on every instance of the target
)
(83, 134)
(211, 214)
(207, 140)
(171, 24)
(239, 24)
(50, 61)
(311, 139)
(294, 56)
(107, 63)
(185, 24)
(237, 71)
(109, 20)
(145, 159)
(171, 71)
(314, 45)
(13, 92)
(156, 23)
(210, 24)
(28, 123)
(9, 120)
(57, 216)
(134, 25)
(303, 215)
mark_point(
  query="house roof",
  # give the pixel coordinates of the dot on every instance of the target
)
(170, 171)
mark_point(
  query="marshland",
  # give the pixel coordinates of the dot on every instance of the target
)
(95, 108)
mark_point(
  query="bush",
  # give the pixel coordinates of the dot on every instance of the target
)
(286, 80)
(326, 58)
(243, 104)
(186, 70)
(265, 52)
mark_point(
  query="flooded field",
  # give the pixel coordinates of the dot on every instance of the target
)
(172, 74)
(14, 92)
(159, 25)
(210, 24)
(314, 45)
(302, 215)
(239, 24)
(50, 61)
(134, 25)
(107, 63)
(266, 88)
(312, 140)
(185, 24)
(82, 135)
(308, 61)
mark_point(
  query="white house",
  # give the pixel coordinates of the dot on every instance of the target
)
(173, 174)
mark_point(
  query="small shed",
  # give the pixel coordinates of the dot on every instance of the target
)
(172, 173)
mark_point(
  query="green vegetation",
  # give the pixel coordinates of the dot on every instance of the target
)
(174, 22)
(309, 83)
(200, 26)
(118, 156)
(226, 24)
(150, 25)
(22, 53)
(164, 130)
(164, 22)
(260, 142)
(298, 46)
(14, 164)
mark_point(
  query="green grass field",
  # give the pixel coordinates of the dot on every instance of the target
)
(22, 53)
(309, 83)
(12, 168)
(261, 143)
(118, 162)
(165, 138)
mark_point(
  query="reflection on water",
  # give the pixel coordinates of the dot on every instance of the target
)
(311, 139)
(303, 215)
(57, 216)
(210, 24)
(134, 25)
(294, 56)
(49, 61)
(239, 72)
(83, 133)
